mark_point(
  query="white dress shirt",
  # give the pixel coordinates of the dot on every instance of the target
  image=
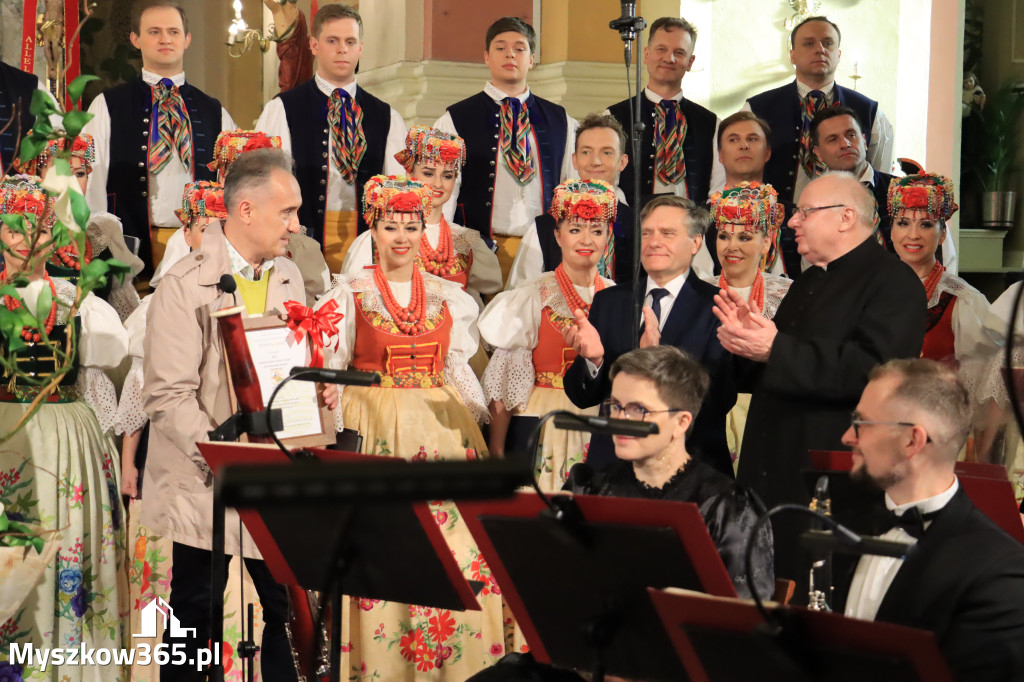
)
(875, 574)
(341, 195)
(515, 205)
(165, 188)
(673, 287)
(880, 149)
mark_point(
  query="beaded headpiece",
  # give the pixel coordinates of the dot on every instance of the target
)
(584, 199)
(233, 143)
(927, 192)
(424, 143)
(83, 148)
(21, 194)
(203, 199)
(393, 194)
(753, 205)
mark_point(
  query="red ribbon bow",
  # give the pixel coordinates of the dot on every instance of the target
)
(303, 321)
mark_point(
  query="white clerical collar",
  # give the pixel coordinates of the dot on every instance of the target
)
(928, 505)
(328, 89)
(656, 98)
(673, 286)
(498, 96)
(802, 89)
(151, 78)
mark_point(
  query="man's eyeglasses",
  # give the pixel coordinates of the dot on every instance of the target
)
(805, 211)
(856, 422)
(632, 411)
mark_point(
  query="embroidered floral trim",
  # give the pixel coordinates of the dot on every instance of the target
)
(549, 380)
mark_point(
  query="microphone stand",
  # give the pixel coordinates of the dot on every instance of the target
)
(629, 27)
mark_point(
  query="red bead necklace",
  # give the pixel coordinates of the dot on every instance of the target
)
(31, 334)
(68, 256)
(409, 320)
(756, 290)
(572, 297)
(932, 280)
(440, 260)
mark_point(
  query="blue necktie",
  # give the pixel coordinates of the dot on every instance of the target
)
(656, 296)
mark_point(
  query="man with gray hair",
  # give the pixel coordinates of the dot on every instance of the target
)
(964, 578)
(857, 306)
(186, 390)
(677, 312)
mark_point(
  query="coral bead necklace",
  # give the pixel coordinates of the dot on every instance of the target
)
(439, 260)
(409, 319)
(572, 297)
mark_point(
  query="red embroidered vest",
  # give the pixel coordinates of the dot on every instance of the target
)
(403, 361)
(551, 358)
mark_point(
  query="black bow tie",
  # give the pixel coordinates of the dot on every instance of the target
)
(912, 521)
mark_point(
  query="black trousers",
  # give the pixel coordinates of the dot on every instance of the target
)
(190, 601)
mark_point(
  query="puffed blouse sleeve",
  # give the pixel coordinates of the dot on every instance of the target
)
(130, 415)
(510, 324)
(970, 338)
(485, 275)
(465, 338)
(359, 255)
(338, 349)
(103, 345)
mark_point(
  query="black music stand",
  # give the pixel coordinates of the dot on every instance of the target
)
(576, 586)
(357, 500)
(721, 640)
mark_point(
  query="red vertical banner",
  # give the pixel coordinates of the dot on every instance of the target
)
(28, 36)
(72, 59)
(314, 6)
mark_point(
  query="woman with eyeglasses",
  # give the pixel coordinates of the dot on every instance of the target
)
(920, 205)
(527, 324)
(664, 386)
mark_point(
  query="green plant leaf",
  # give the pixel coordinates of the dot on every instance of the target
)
(94, 275)
(42, 127)
(63, 167)
(42, 104)
(31, 147)
(79, 209)
(74, 121)
(77, 87)
(118, 269)
(15, 222)
(43, 304)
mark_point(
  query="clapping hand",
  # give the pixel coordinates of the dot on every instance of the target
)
(743, 330)
(584, 339)
(652, 333)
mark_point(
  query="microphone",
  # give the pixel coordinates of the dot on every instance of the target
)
(842, 539)
(605, 425)
(334, 376)
(228, 285)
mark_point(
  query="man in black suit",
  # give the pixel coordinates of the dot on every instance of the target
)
(677, 312)
(964, 577)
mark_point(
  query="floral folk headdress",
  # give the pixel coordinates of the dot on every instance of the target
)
(927, 192)
(24, 194)
(203, 199)
(83, 148)
(385, 194)
(585, 200)
(424, 143)
(233, 143)
(752, 205)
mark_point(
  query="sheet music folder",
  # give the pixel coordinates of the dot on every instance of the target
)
(722, 640)
(580, 589)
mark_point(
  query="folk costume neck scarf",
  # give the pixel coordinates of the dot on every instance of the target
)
(669, 134)
(348, 143)
(514, 140)
(173, 127)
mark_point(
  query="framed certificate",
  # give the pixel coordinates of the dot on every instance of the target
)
(274, 351)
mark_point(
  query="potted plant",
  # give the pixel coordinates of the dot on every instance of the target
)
(997, 165)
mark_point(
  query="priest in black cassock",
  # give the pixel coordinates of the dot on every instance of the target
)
(856, 307)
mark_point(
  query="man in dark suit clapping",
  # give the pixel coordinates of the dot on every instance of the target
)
(677, 312)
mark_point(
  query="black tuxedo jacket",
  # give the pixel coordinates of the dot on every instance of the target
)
(692, 327)
(964, 580)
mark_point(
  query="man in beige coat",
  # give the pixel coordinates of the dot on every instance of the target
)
(186, 393)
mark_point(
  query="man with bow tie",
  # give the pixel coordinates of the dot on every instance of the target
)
(338, 133)
(963, 578)
(154, 134)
